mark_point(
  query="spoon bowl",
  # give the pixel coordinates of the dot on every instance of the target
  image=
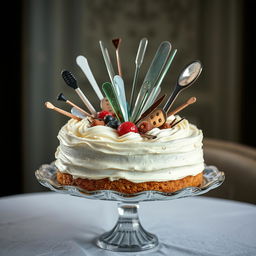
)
(186, 78)
(190, 74)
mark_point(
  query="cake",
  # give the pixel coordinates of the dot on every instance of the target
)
(130, 147)
(96, 158)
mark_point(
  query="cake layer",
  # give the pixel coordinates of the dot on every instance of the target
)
(98, 152)
(128, 187)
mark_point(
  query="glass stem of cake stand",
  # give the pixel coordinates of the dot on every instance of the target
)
(127, 234)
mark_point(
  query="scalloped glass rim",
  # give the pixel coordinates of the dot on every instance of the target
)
(46, 175)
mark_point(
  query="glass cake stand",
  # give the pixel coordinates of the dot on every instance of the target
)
(128, 234)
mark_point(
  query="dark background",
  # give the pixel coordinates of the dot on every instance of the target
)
(12, 90)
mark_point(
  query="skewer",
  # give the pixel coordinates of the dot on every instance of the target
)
(63, 98)
(181, 107)
(173, 121)
(177, 122)
(138, 61)
(116, 42)
(61, 111)
(107, 61)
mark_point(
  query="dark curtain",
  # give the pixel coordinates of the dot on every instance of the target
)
(248, 93)
(11, 86)
(11, 134)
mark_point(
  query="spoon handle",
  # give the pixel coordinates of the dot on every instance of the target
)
(86, 101)
(119, 85)
(171, 99)
(83, 64)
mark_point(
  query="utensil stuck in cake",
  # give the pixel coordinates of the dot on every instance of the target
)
(145, 148)
(130, 152)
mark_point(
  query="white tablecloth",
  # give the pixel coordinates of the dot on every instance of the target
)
(44, 224)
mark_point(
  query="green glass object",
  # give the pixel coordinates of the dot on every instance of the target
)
(113, 100)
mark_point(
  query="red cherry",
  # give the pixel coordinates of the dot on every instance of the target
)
(126, 127)
(104, 113)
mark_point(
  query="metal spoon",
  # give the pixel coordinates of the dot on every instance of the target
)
(187, 77)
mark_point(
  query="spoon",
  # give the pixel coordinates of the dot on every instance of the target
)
(116, 42)
(138, 61)
(119, 85)
(187, 77)
(83, 64)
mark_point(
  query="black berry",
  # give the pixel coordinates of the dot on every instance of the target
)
(108, 118)
(113, 124)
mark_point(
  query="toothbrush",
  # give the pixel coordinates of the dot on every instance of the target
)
(71, 82)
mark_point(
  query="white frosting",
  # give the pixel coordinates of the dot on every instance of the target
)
(98, 152)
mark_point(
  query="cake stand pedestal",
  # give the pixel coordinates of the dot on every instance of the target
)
(128, 235)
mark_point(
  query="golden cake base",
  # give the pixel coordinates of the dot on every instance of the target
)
(128, 187)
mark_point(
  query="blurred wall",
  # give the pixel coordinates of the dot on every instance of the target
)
(56, 31)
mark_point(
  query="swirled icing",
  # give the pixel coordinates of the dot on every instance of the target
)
(98, 152)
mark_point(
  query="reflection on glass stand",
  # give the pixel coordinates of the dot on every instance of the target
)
(128, 234)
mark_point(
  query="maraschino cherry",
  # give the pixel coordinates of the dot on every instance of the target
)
(126, 127)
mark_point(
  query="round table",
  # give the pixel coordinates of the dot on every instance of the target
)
(44, 224)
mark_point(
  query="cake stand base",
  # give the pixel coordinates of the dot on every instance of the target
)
(127, 235)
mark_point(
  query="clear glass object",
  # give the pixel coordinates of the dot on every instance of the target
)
(128, 235)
